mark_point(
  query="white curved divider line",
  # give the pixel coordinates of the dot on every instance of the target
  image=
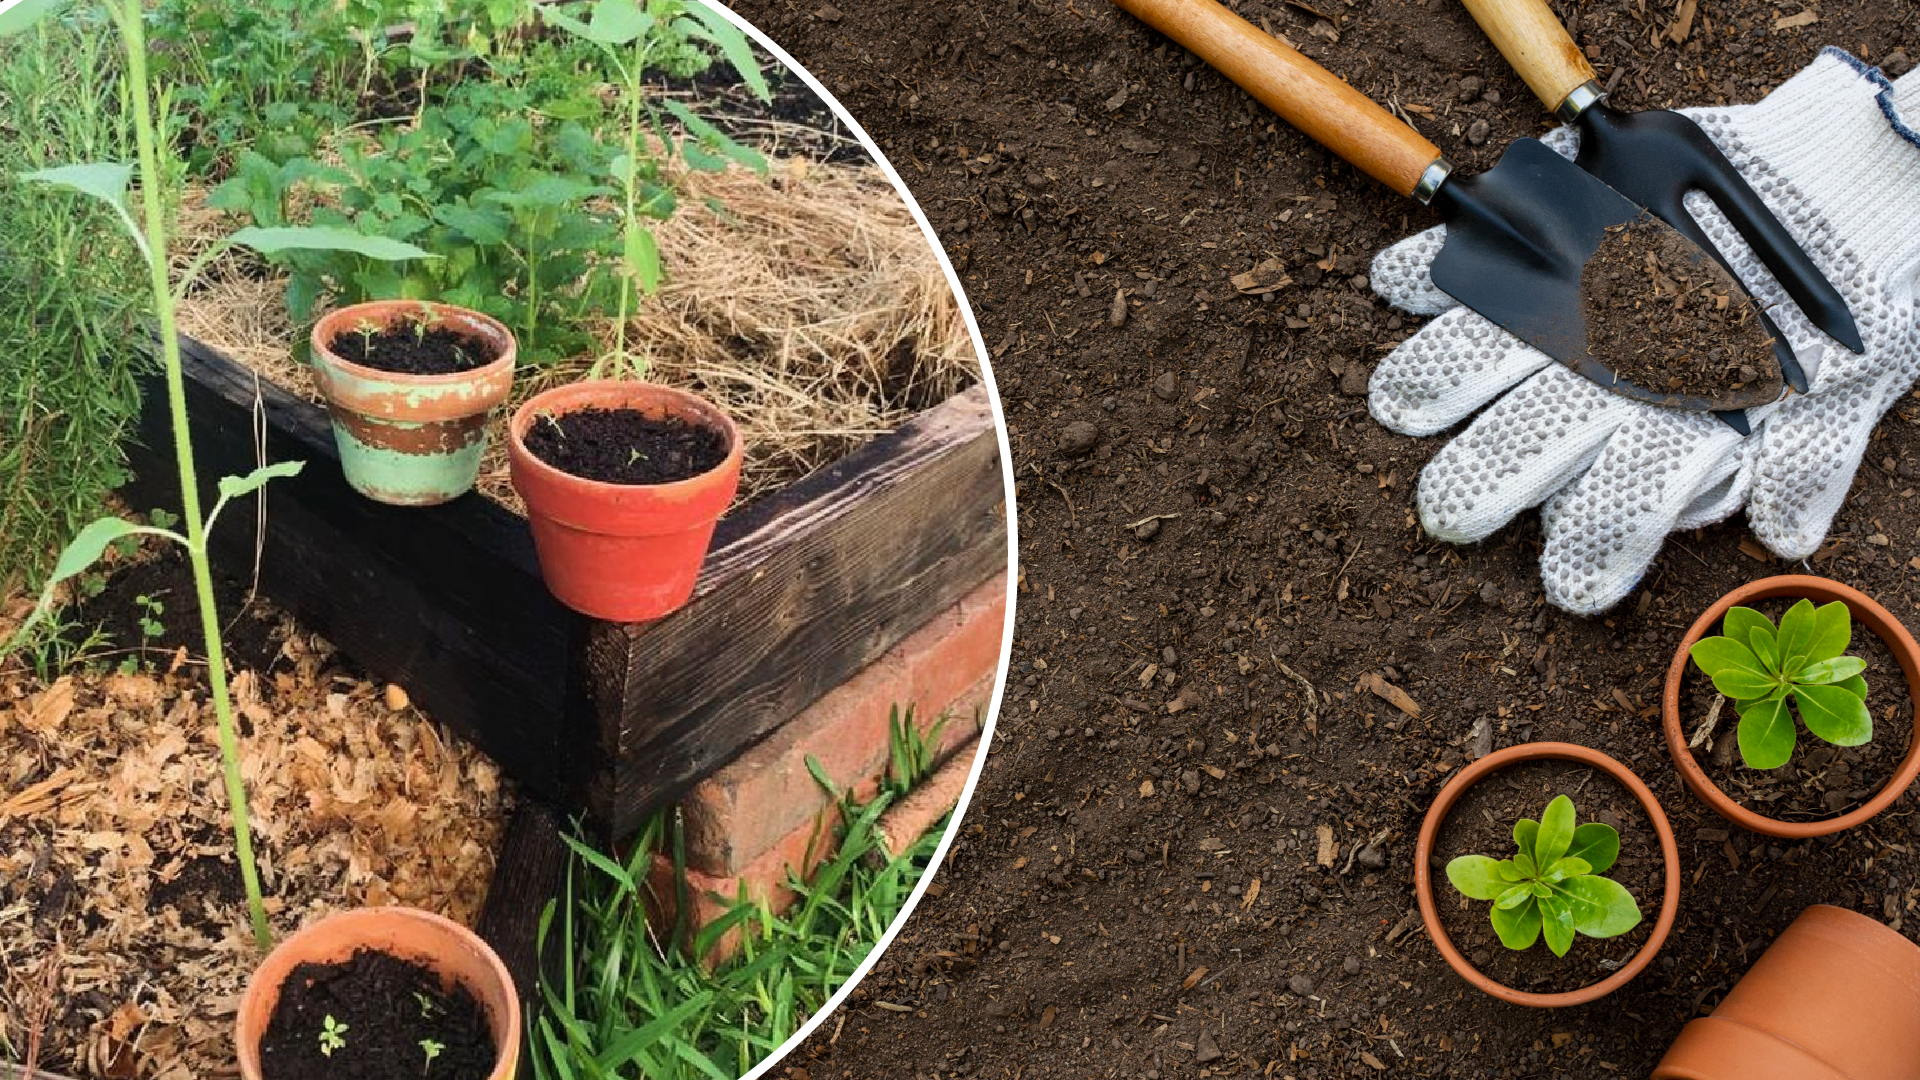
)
(1013, 532)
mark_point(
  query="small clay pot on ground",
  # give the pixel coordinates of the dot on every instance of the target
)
(410, 386)
(1668, 855)
(1835, 997)
(381, 947)
(624, 483)
(1865, 613)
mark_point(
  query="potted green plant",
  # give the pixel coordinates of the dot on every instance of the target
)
(1555, 884)
(411, 386)
(385, 993)
(1773, 673)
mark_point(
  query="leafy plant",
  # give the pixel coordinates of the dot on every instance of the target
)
(1553, 884)
(1803, 661)
(333, 1035)
(108, 183)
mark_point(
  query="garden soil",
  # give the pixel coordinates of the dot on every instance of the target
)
(411, 349)
(385, 1014)
(1241, 671)
(626, 446)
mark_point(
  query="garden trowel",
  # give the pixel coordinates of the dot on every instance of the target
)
(1655, 159)
(1518, 235)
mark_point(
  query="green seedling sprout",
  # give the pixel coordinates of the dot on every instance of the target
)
(432, 1049)
(1803, 661)
(333, 1035)
(111, 184)
(1552, 885)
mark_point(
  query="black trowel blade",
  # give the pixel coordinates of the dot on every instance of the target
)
(1518, 237)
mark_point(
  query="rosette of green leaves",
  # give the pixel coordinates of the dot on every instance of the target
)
(1552, 885)
(1803, 661)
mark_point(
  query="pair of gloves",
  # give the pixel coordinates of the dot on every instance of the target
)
(1835, 154)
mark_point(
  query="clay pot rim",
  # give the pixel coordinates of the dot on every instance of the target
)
(505, 362)
(596, 393)
(504, 1056)
(1544, 751)
(1863, 609)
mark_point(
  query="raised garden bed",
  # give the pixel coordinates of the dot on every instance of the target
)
(802, 588)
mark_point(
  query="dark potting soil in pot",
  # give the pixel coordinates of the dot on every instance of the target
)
(388, 1014)
(1481, 823)
(1820, 780)
(625, 446)
(410, 348)
(1669, 319)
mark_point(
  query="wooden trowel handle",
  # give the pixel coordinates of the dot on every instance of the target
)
(1307, 95)
(1531, 38)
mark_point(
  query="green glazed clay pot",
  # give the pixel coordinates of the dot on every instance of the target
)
(411, 440)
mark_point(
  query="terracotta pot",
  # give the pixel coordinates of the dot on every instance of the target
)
(1487, 766)
(410, 440)
(1820, 591)
(454, 952)
(622, 552)
(1835, 997)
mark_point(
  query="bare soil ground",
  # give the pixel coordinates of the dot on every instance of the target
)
(1219, 546)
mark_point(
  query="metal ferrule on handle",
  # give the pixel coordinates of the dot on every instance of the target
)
(1585, 95)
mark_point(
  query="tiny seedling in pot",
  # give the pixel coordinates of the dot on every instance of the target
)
(1552, 885)
(333, 1035)
(432, 1050)
(1802, 661)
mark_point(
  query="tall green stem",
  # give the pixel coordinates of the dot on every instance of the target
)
(152, 180)
(632, 285)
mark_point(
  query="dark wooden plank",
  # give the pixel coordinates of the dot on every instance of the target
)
(804, 589)
(530, 872)
(447, 601)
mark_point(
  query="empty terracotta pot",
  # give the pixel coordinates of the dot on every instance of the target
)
(1865, 613)
(454, 952)
(622, 552)
(1835, 997)
(1487, 766)
(411, 440)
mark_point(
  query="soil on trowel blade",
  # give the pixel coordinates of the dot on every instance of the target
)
(1218, 543)
(1482, 824)
(1666, 317)
(375, 1017)
(413, 348)
(625, 446)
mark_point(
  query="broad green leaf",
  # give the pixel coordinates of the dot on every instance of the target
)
(1797, 629)
(1835, 714)
(1834, 670)
(733, 45)
(232, 487)
(1832, 632)
(1513, 897)
(1539, 889)
(1526, 866)
(619, 22)
(1761, 640)
(643, 257)
(104, 180)
(1556, 832)
(1601, 907)
(1477, 876)
(1507, 871)
(327, 238)
(1741, 622)
(1766, 734)
(1518, 928)
(87, 547)
(22, 16)
(554, 15)
(1734, 669)
(1556, 922)
(698, 159)
(1568, 867)
(1597, 843)
(1524, 832)
(1856, 686)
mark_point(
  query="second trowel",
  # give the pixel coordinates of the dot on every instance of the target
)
(1519, 236)
(1656, 158)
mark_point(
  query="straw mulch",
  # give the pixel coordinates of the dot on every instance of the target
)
(124, 943)
(809, 304)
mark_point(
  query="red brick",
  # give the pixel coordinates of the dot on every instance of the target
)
(759, 801)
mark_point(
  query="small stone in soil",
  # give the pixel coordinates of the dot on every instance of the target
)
(1300, 984)
(1077, 438)
(625, 446)
(1666, 317)
(1167, 386)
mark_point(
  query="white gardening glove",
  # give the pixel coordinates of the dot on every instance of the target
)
(1831, 157)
